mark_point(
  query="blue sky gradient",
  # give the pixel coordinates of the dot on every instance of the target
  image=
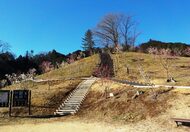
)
(43, 25)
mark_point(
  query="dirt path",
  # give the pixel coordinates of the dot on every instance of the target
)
(105, 68)
(77, 126)
(59, 127)
(141, 85)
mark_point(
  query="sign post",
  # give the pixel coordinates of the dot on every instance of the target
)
(48, 85)
(4, 98)
(15, 98)
(10, 103)
(29, 102)
(22, 98)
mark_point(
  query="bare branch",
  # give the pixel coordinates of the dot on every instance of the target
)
(4, 46)
(116, 29)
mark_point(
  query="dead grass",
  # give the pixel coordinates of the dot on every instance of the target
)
(81, 68)
(179, 69)
(45, 99)
(122, 108)
(144, 113)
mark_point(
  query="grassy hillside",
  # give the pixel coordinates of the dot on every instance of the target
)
(47, 96)
(179, 69)
(81, 68)
(122, 108)
(143, 113)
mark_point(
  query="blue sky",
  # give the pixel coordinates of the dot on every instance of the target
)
(43, 25)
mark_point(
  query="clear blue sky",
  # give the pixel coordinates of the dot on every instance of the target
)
(43, 25)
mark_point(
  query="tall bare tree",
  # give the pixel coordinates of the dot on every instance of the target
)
(133, 37)
(117, 28)
(126, 25)
(128, 30)
(108, 29)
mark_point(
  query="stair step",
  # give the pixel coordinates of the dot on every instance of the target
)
(74, 100)
(72, 106)
(70, 100)
(82, 89)
(72, 103)
(65, 110)
(77, 97)
(64, 113)
(76, 106)
(68, 107)
(77, 94)
(81, 92)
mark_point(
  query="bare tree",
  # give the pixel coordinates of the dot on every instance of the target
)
(128, 30)
(166, 61)
(187, 51)
(115, 29)
(108, 29)
(165, 58)
(46, 66)
(4, 46)
(133, 38)
(126, 24)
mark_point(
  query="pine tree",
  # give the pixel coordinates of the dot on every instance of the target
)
(87, 41)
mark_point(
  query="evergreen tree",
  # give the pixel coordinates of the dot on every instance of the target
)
(87, 41)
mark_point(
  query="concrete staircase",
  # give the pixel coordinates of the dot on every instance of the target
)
(72, 104)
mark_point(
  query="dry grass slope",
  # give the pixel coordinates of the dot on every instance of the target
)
(122, 107)
(47, 96)
(143, 113)
(180, 68)
(45, 99)
(81, 68)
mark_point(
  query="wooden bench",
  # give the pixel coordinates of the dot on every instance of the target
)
(180, 121)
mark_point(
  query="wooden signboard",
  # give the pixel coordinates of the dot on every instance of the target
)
(15, 98)
(4, 98)
(20, 98)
